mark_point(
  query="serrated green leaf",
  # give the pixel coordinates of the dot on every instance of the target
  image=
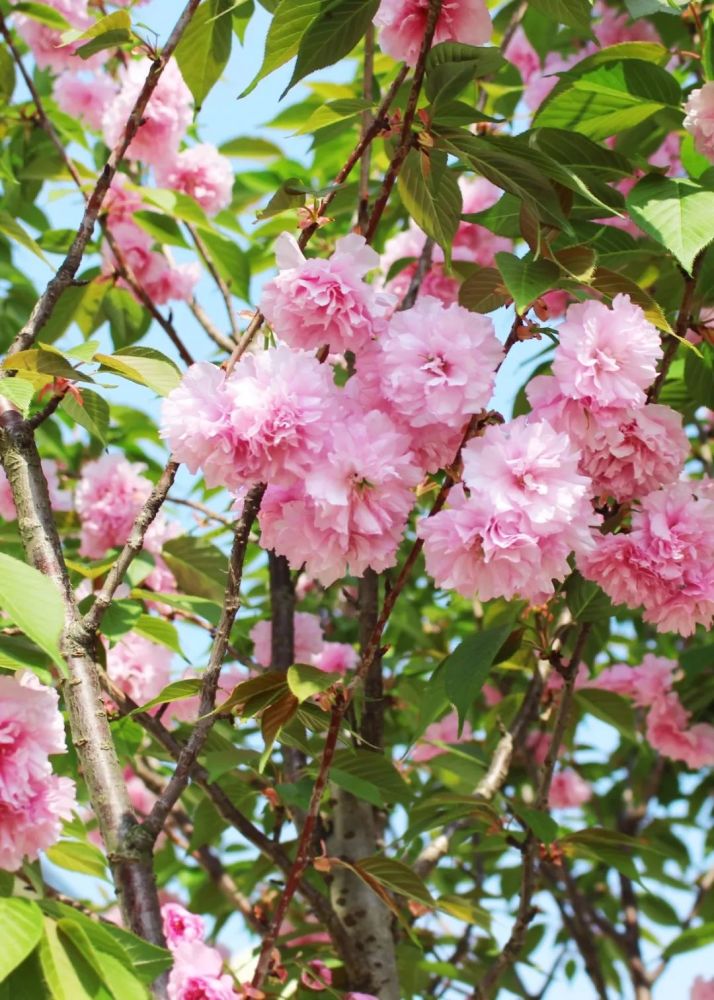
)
(19, 391)
(16, 232)
(163, 228)
(306, 681)
(289, 23)
(199, 567)
(251, 148)
(397, 876)
(541, 823)
(331, 35)
(22, 590)
(92, 413)
(677, 212)
(466, 669)
(232, 263)
(699, 376)
(43, 14)
(159, 630)
(609, 707)
(205, 48)
(290, 195)
(7, 75)
(68, 974)
(483, 291)
(178, 691)
(143, 365)
(690, 940)
(20, 932)
(432, 199)
(526, 280)
(574, 13)
(585, 599)
(78, 857)
(107, 40)
(358, 787)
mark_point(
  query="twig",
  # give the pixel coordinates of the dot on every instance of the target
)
(142, 522)
(209, 327)
(367, 121)
(203, 508)
(46, 412)
(302, 857)
(423, 265)
(189, 753)
(406, 137)
(68, 268)
(525, 913)
(683, 320)
(220, 283)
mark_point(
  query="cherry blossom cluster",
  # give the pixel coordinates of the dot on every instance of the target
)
(198, 968)
(59, 498)
(308, 646)
(33, 800)
(668, 728)
(85, 90)
(341, 461)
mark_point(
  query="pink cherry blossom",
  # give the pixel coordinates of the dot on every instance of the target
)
(529, 467)
(644, 684)
(180, 925)
(162, 280)
(307, 640)
(541, 82)
(351, 508)
(473, 242)
(139, 667)
(614, 27)
(264, 423)
(110, 493)
(446, 730)
(699, 118)
(538, 744)
(402, 24)
(336, 658)
(630, 454)
(46, 42)
(665, 563)
(167, 116)
(84, 97)
(669, 732)
(606, 355)
(438, 363)
(316, 976)
(568, 790)
(202, 173)
(702, 989)
(198, 974)
(320, 301)
(59, 499)
(33, 800)
(121, 201)
(521, 53)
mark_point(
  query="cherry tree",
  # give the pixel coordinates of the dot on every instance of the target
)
(354, 626)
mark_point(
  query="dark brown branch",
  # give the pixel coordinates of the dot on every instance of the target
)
(367, 122)
(406, 137)
(135, 543)
(48, 300)
(153, 824)
(684, 318)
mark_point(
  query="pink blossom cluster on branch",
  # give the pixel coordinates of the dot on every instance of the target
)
(33, 800)
(198, 968)
(309, 646)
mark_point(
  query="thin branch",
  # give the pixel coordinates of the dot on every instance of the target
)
(204, 509)
(46, 412)
(406, 138)
(209, 327)
(45, 305)
(422, 268)
(367, 122)
(153, 824)
(684, 318)
(525, 913)
(302, 857)
(135, 543)
(219, 282)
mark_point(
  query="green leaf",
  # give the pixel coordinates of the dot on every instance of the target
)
(120, 618)
(506, 164)
(358, 787)
(23, 589)
(230, 261)
(178, 691)
(205, 48)
(586, 601)
(580, 152)
(526, 280)
(199, 567)
(332, 35)
(159, 630)
(451, 66)
(699, 376)
(678, 213)
(118, 21)
(483, 291)
(20, 932)
(397, 876)
(78, 857)
(289, 23)
(541, 823)
(690, 940)
(433, 200)
(274, 716)
(107, 40)
(466, 669)
(332, 113)
(610, 707)
(46, 360)
(250, 147)
(92, 414)
(43, 14)
(11, 228)
(143, 365)
(574, 13)
(606, 846)
(67, 973)
(377, 770)
(163, 228)
(19, 391)
(290, 195)
(609, 98)
(7, 75)
(612, 283)
(305, 681)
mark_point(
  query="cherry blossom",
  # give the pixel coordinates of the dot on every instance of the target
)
(201, 172)
(198, 973)
(699, 118)
(180, 925)
(568, 790)
(139, 667)
(402, 24)
(84, 97)
(307, 639)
